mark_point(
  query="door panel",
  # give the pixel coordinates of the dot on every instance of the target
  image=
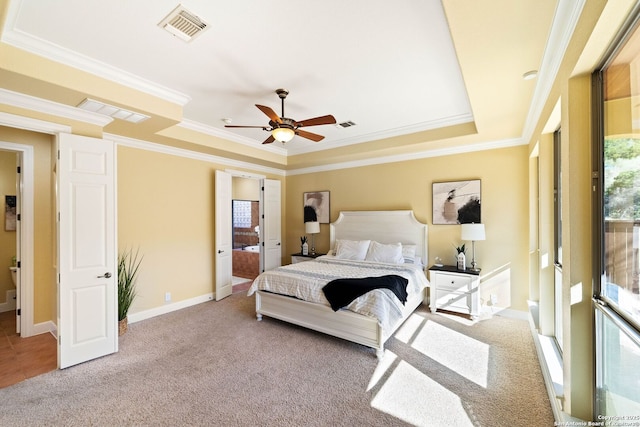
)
(272, 208)
(87, 272)
(224, 235)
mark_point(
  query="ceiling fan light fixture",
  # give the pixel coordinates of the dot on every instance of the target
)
(283, 134)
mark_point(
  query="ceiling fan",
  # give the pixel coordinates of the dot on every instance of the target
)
(283, 129)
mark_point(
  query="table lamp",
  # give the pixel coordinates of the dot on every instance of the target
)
(473, 232)
(312, 227)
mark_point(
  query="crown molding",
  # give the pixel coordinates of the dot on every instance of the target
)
(564, 24)
(462, 149)
(180, 152)
(53, 52)
(229, 136)
(21, 122)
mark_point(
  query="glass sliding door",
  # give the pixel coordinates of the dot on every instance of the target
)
(617, 231)
(621, 181)
(618, 376)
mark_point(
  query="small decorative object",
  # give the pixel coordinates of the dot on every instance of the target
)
(304, 247)
(128, 264)
(438, 262)
(461, 258)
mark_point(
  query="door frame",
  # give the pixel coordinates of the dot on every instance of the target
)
(27, 239)
(259, 178)
(25, 193)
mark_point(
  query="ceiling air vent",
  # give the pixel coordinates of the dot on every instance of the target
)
(183, 24)
(346, 124)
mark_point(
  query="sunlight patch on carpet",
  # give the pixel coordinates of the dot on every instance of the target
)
(383, 365)
(409, 328)
(463, 355)
(413, 397)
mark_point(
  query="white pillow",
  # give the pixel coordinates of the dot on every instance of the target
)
(391, 254)
(409, 254)
(352, 249)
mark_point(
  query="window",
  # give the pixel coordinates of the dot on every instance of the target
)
(557, 237)
(620, 210)
(242, 213)
(617, 228)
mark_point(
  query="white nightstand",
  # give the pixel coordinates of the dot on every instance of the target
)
(454, 290)
(296, 258)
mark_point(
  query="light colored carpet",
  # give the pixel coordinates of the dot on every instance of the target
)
(214, 365)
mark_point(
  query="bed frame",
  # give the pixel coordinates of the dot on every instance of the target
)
(381, 226)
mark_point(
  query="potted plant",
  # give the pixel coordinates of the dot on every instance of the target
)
(128, 264)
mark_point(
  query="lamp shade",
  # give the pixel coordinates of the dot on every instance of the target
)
(283, 134)
(312, 227)
(472, 232)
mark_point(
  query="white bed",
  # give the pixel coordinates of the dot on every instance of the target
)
(385, 227)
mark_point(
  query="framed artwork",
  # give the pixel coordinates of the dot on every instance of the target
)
(10, 213)
(316, 206)
(456, 202)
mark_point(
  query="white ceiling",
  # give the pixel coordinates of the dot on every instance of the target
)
(389, 67)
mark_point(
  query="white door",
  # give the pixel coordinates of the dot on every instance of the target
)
(18, 242)
(87, 251)
(271, 220)
(224, 234)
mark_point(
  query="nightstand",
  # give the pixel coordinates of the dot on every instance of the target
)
(454, 290)
(296, 258)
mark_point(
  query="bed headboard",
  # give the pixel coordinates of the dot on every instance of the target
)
(383, 227)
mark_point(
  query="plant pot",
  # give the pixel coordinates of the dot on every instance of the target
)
(123, 325)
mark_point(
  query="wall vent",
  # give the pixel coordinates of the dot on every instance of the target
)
(183, 24)
(346, 124)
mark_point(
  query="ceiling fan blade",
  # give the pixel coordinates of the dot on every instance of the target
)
(269, 140)
(240, 126)
(312, 136)
(323, 120)
(270, 113)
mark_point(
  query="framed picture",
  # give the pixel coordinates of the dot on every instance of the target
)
(316, 206)
(456, 202)
(10, 213)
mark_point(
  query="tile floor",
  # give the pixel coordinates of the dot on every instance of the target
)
(22, 358)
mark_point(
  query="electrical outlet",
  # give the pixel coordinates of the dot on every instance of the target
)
(494, 299)
(167, 297)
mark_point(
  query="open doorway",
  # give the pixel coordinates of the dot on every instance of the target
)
(33, 346)
(246, 231)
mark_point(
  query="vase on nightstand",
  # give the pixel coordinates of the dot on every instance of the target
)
(305, 249)
(461, 261)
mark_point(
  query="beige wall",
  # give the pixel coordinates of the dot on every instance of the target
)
(45, 296)
(245, 188)
(7, 238)
(503, 257)
(166, 209)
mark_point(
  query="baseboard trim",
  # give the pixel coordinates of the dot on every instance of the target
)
(10, 303)
(168, 308)
(45, 327)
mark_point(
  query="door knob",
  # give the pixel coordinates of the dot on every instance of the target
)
(105, 275)
(220, 251)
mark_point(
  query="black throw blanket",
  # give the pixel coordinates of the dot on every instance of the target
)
(341, 292)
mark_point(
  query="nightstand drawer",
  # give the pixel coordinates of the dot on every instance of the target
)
(453, 282)
(454, 290)
(456, 301)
